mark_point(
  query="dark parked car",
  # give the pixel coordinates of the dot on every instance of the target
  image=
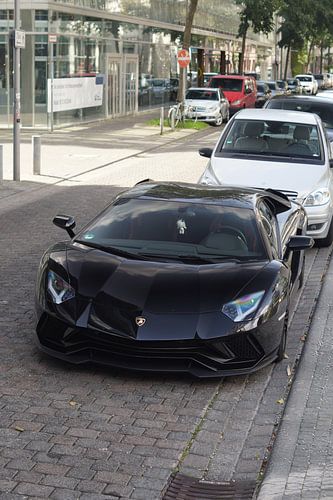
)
(322, 106)
(295, 86)
(274, 88)
(283, 85)
(264, 93)
(175, 278)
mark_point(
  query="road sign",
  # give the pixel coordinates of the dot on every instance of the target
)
(19, 39)
(52, 38)
(183, 58)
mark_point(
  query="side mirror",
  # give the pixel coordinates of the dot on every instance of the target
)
(66, 222)
(248, 91)
(297, 243)
(206, 152)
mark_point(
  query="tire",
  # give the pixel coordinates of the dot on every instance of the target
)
(227, 118)
(219, 120)
(173, 112)
(326, 242)
(283, 343)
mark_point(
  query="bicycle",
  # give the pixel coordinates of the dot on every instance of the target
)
(179, 113)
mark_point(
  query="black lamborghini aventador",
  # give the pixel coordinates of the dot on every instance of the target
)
(175, 277)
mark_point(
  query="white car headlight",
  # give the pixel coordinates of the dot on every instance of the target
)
(236, 102)
(208, 177)
(244, 307)
(318, 197)
(59, 289)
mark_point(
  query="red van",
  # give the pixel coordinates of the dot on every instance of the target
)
(241, 91)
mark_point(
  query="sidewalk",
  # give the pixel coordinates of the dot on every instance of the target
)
(301, 465)
(70, 152)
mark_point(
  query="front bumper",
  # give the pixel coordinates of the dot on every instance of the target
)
(319, 219)
(203, 116)
(235, 354)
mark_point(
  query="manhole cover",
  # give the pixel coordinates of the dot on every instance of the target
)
(184, 487)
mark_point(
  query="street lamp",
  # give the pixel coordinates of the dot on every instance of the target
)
(18, 43)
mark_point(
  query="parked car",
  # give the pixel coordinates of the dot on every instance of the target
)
(321, 81)
(174, 278)
(207, 104)
(295, 86)
(241, 91)
(283, 85)
(284, 150)
(264, 93)
(310, 104)
(274, 88)
(309, 83)
(161, 90)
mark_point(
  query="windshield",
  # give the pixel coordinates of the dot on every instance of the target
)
(205, 95)
(322, 109)
(227, 84)
(169, 230)
(272, 85)
(273, 138)
(304, 78)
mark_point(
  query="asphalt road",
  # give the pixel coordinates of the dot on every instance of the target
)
(85, 432)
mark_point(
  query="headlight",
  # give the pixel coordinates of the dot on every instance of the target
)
(318, 197)
(208, 177)
(236, 103)
(59, 289)
(242, 308)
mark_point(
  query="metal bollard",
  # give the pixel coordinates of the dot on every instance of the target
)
(1, 162)
(161, 119)
(36, 146)
(173, 116)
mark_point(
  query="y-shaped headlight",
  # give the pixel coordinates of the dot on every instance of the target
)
(59, 289)
(244, 307)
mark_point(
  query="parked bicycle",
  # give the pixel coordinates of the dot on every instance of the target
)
(179, 113)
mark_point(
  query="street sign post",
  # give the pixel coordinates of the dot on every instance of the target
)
(183, 58)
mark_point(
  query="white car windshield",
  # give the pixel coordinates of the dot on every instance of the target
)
(273, 138)
(204, 95)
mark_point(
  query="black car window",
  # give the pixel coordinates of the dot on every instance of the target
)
(205, 95)
(270, 228)
(322, 109)
(175, 229)
(227, 84)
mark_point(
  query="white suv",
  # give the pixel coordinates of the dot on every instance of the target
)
(309, 83)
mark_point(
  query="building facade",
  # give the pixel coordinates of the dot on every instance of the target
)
(93, 59)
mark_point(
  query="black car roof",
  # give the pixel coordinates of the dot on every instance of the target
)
(305, 98)
(235, 196)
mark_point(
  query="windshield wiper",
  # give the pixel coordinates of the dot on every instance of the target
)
(113, 250)
(190, 258)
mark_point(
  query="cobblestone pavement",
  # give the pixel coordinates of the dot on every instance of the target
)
(69, 432)
(301, 465)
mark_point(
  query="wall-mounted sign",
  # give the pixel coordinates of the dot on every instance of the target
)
(75, 93)
(19, 39)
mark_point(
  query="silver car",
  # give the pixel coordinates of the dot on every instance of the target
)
(283, 150)
(207, 104)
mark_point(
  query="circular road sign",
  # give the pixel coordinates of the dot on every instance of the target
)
(184, 58)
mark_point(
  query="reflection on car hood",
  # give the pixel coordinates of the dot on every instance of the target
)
(300, 177)
(158, 287)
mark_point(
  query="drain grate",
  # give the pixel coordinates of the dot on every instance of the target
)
(183, 487)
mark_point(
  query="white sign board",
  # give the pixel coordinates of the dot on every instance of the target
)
(19, 39)
(75, 93)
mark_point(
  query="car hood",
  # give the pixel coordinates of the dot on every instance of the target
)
(201, 102)
(299, 177)
(111, 292)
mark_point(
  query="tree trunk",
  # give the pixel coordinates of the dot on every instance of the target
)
(242, 55)
(309, 56)
(321, 57)
(286, 63)
(186, 45)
